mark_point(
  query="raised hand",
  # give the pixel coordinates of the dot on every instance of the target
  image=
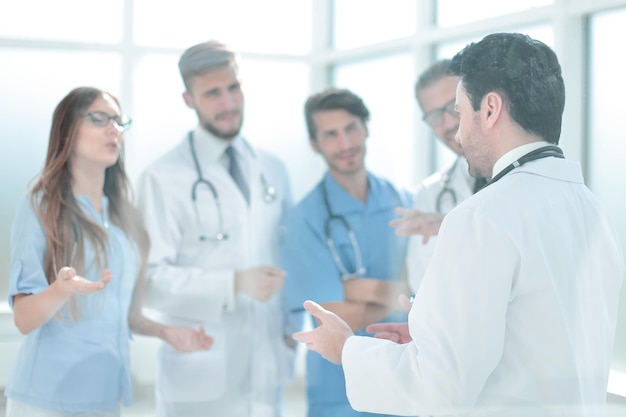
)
(69, 283)
(261, 282)
(415, 222)
(329, 337)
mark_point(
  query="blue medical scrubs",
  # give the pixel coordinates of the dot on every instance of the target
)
(69, 365)
(312, 273)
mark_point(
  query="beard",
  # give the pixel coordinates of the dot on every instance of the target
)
(221, 134)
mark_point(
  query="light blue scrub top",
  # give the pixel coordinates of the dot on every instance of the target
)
(67, 365)
(312, 273)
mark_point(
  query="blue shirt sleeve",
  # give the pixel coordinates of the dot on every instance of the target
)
(28, 247)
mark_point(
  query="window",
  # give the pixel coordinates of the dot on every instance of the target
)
(385, 83)
(606, 131)
(364, 22)
(62, 20)
(270, 26)
(456, 12)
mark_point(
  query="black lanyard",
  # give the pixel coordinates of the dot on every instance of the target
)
(543, 152)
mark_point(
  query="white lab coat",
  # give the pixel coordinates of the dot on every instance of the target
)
(425, 200)
(191, 282)
(524, 327)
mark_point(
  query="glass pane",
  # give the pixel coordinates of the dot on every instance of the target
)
(160, 116)
(274, 120)
(65, 20)
(607, 146)
(270, 26)
(273, 115)
(544, 33)
(390, 147)
(457, 12)
(30, 92)
(364, 22)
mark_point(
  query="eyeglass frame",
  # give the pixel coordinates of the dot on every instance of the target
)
(122, 122)
(439, 112)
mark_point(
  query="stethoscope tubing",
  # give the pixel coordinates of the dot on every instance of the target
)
(269, 191)
(345, 274)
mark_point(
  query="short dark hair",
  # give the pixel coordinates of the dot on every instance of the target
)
(334, 99)
(525, 71)
(431, 75)
(204, 57)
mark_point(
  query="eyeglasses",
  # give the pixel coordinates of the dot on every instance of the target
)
(435, 117)
(101, 119)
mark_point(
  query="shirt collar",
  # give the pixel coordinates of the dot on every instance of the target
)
(89, 209)
(342, 202)
(212, 148)
(514, 154)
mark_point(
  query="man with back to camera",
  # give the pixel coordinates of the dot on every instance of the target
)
(213, 206)
(338, 247)
(436, 195)
(522, 322)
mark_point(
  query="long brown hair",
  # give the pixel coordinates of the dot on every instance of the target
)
(65, 225)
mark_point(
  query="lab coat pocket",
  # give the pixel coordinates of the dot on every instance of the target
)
(191, 377)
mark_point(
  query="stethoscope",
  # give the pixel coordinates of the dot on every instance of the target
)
(358, 258)
(269, 192)
(446, 192)
(543, 152)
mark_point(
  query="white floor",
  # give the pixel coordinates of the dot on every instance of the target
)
(143, 404)
(295, 405)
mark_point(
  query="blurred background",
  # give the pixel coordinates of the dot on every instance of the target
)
(290, 49)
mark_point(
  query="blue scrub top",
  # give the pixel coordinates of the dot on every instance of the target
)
(312, 273)
(65, 364)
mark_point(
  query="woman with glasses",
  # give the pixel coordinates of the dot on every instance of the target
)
(78, 250)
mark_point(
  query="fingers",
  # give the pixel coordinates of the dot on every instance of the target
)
(304, 337)
(377, 328)
(66, 273)
(107, 275)
(204, 341)
(274, 271)
(402, 212)
(394, 337)
(405, 303)
(320, 314)
(316, 310)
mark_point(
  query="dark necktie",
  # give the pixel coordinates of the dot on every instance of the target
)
(236, 174)
(479, 184)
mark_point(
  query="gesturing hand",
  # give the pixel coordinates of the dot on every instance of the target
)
(415, 222)
(329, 337)
(260, 283)
(70, 283)
(185, 339)
(396, 332)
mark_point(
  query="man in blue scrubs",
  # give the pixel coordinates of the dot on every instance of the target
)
(339, 249)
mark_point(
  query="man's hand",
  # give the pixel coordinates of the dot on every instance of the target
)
(415, 222)
(396, 332)
(185, 339)
(376, 291)
(329, 337)
(260, 283)
(69, 283)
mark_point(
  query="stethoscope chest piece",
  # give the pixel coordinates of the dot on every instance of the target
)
(270, 194)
